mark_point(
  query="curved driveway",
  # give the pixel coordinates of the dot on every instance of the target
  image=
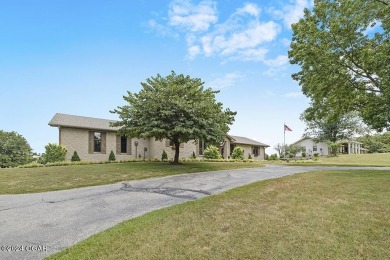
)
(36, 225)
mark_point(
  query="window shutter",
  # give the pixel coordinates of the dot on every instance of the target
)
(103, 144)
(118, 144)
(90, 142)
(129, 144)
(182, 145)
(167, 142)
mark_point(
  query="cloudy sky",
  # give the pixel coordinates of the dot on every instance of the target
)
(80, 58)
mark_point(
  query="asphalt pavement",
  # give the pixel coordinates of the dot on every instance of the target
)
(36, 225)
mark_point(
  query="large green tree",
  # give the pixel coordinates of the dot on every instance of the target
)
(326, 125)
(343, 50)
(14, 150)
(175, 107)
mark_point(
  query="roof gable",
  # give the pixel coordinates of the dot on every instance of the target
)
(82, 122)
(244, 140)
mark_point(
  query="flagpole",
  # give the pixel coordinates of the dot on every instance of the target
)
(284, 138)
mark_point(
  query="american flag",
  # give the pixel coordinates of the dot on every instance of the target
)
(286, 128)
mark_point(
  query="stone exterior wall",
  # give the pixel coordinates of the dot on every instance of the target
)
(157, 148)
(78, 140)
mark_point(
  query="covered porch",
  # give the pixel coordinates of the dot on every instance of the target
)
(352, 147)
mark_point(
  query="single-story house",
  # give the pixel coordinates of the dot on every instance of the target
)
(311, 147)
(93, 139)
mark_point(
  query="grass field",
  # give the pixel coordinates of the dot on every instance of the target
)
(320, 215)
(29, 180)
(377, 159)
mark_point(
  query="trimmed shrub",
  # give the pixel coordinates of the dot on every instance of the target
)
(54, 153)
(164, 156)
(250, 156)
(238, 153)
(212, 152)
(303, 154)
(75, 157)
(316, 155)
(193, 156)
(273, 157)
(111, 158)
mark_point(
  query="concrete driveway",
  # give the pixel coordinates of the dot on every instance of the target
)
(36, 225)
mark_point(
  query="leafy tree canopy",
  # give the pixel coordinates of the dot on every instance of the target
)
(175, 107)
(14, 150)
(331, 126)
(343, 50)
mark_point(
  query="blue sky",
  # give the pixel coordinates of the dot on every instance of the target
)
(80, 57)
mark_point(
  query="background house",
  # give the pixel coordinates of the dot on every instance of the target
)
(94, 139)
(311, 147)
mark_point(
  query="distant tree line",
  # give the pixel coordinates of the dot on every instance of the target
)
(378, 143)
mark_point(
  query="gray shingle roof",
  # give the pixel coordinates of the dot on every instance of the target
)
(244, 140)
(82, 122)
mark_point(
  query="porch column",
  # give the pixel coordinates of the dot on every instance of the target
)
(349, 148)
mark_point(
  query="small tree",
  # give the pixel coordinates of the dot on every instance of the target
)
(177, 108)
(14, 150)
(164, 156)
(238, 153)
(75, 157)
(54, 153)
(111, 157)
(334, 148)
(212, 152)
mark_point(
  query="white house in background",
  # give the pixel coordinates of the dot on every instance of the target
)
(310, 147)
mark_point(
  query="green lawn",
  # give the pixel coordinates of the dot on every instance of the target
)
(377, 159)
(320, 215)
(29, 180)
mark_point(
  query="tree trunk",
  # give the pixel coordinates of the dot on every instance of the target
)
(177, 151)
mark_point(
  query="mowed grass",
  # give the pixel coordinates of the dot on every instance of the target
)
(30, 180)
(376, 159)
(318, 215)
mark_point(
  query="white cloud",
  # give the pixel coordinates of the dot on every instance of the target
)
(187, 16)
(161, 29)
(226, 81)
(293, 95)
(242, 36)
(278, 62)
(293, 12)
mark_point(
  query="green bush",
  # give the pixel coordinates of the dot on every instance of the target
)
(266, 157)
(193, 156)
(250, 156)
(164, 156)
(273, 157)
(75, 157)
(111, 157)
(291, 155)
(212, 152)
(316, 155)
(238, 153)
(14, 150)
(303, 154)
(53, 153)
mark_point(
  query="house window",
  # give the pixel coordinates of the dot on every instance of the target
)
(255, 151)
(202, 146)
(97, 142)
(123, 144)
(314, 148)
